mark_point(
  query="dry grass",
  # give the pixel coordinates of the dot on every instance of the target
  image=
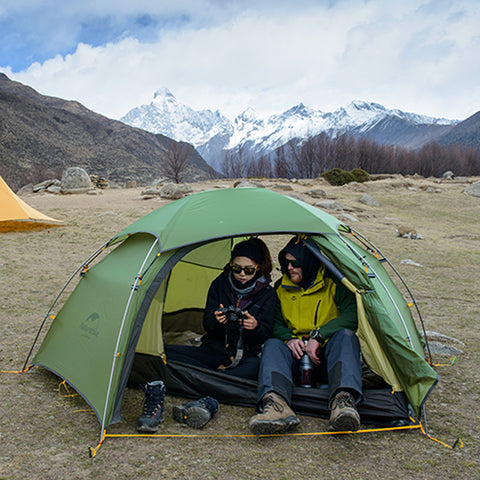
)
(46, 436)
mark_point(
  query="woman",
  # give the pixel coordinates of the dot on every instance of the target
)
(238, 316)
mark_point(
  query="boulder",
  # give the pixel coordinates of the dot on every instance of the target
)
(473, 189)
(173, 191)
(26, 189)
(408, 232)
(346, 217)
(248, 184)
(75, 180)
(283, 186)
(317, 193)
(368, 200)
(329, 205)
(407, 261)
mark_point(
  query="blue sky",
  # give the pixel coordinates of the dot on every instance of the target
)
(418, 56)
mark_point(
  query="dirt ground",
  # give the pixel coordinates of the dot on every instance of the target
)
(45, 434)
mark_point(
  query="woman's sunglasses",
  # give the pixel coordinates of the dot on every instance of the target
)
(247, 270)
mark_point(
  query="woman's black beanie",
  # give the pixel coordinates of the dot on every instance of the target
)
(248, 249)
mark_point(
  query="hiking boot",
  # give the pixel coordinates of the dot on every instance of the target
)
(344, 415)
(277, 416)
(196, 414)
(153, 406)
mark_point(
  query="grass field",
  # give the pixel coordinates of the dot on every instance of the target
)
(45, 434)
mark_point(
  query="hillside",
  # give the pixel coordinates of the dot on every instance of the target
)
(466, 133)
(40, 136)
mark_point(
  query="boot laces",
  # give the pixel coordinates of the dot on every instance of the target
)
(153, 402)
(210, 404)
(344, 400)
(271, 403)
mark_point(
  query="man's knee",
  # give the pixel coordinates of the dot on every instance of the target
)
(272, 344)
(343, 341)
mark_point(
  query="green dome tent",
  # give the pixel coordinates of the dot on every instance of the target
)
(151, 284)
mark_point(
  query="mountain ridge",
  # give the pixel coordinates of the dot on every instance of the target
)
(213, 134)
(40, 136)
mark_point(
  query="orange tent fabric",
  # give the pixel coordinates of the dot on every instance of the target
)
(15, 214)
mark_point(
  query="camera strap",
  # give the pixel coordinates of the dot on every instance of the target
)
(238, 353)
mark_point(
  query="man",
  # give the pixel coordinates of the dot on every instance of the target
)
(309, 303)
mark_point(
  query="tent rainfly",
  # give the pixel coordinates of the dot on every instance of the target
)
(147, 286)
(15, 214)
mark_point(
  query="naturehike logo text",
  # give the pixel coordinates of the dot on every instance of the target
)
(91, 325)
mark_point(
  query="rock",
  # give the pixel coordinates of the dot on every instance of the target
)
(151, 192)
(442, 337)
(107, 214)
(248, 184)
(404, 230)
(26, 189)
(441, 344)
(295, 196)
(317, 193)
(347, 217)
(473, 189)
(174, 191)
(55, 189)
(45, 185)
(75, 180)
(407, 261)
(368, 200)
(99, 182)
(282, 186)
(131, 184)
(440, 349)
(329, 205)
(408, 232)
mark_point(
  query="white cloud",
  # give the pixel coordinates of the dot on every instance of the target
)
(421, 59)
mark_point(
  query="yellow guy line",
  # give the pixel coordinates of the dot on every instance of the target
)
(93, 450)
(16, 371)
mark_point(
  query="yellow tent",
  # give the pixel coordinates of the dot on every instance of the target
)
(15, 214)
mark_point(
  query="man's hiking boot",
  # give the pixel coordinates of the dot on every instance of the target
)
(196, 414)
(277, 416)
(153, 406)
(344, 415)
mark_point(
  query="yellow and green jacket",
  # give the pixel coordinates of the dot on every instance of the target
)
(325, 305)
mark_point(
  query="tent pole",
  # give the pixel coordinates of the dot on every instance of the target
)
(116, 353)
(404, 283)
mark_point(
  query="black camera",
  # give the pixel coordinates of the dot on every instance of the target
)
(232, 313)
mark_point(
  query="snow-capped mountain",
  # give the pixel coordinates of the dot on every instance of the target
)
(167, 116)
(213, 134)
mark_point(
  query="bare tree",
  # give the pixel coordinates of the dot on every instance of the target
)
(175, 163)
(281, 168)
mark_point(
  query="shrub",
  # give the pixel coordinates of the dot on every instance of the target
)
(337, 176)
(359, 175)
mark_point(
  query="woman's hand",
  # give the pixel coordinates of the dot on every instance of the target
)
(220, 316)
(249, 321)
